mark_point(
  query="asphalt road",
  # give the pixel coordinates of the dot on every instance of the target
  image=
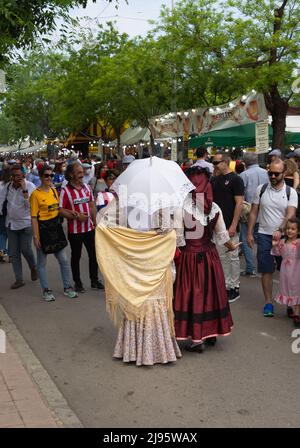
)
(249, 379)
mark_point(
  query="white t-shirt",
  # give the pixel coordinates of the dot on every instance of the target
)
(18, 208)
(204, 164)
(273, 207)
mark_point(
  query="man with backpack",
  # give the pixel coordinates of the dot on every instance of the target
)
(273, 204)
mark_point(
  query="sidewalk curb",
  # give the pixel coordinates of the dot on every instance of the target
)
(58, 405)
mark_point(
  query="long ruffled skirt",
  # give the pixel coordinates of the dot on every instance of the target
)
(148, 341)
(200, 304)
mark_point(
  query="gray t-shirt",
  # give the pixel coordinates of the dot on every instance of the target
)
(273, 207)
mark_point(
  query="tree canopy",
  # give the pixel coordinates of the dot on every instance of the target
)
(21, 21)
(198, 54)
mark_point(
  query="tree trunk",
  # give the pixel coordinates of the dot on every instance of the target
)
(50, 151)
(278, 125)
(119, 149)
(278, 108)
(277, 105)
(152, 146)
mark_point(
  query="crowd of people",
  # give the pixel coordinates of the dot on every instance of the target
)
(251, 205)
(35, 197)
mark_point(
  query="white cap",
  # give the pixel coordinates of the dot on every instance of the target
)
(275, 152)
(128, 159)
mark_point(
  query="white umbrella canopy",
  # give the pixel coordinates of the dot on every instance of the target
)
(152, 184)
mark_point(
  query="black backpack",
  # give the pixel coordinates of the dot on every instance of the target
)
(287, 189)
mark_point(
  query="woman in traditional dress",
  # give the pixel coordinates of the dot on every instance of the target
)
(137, 269)
(201, 306)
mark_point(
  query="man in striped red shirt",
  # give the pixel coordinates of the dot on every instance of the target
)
(77, 205)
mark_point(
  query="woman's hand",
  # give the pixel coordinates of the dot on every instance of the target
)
(231, 246)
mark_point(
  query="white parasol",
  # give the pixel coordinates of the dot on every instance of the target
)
(151, 184)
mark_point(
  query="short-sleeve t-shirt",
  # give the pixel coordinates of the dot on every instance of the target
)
(225, 188)
(273, 205)
(43, 204)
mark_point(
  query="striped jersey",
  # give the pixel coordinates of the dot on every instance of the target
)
(78, 200)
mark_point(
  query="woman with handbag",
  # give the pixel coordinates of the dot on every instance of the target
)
(48, 234)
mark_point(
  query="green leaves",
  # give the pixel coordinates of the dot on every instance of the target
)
(198, 54)
(21, 21)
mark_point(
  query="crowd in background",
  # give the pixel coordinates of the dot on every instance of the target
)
(259, 204)
(35, 197)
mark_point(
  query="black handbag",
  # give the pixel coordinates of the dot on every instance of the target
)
(52, 236)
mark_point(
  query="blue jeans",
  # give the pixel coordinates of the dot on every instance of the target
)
(19, 242)
(248, 252)
(3, 234)
(64, 265)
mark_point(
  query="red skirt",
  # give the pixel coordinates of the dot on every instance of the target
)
(200, 303)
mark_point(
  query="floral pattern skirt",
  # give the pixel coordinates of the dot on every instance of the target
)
(147, 341)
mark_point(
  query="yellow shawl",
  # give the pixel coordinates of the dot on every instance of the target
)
(135, 265)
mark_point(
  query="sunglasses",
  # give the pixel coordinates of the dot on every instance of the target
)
(217, 162)
(111, 178)
(48, 175)
(272, 173)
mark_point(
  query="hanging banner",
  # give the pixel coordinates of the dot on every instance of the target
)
(174, 151)
(262, 137)
(247, 109)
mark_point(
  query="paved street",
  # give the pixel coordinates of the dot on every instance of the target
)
(250, 379)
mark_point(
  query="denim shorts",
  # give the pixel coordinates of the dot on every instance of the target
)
(265, 261)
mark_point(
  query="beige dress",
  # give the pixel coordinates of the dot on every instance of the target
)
(149, 340)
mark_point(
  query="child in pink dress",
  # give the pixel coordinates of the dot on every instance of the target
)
(289, 250)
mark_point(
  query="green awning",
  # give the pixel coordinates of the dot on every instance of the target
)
(237, 136)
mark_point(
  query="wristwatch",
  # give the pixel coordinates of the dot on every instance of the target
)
(25, 191)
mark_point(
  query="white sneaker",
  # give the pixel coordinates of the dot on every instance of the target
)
(69, 292)
(48, 295)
